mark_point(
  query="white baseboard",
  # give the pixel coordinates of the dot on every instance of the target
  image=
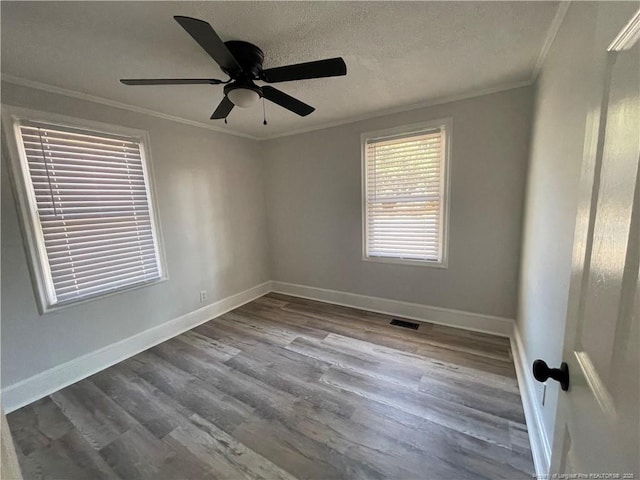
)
(425, 313)
(538, 437)
(42, 384)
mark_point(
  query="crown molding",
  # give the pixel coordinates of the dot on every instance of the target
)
(628, 36)
(552, 32)
(145, 111)
(406, 108)
(23, 82)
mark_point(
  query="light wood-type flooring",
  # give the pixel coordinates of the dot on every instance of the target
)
(285, 388)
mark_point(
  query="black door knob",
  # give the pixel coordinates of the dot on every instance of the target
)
(542, 372)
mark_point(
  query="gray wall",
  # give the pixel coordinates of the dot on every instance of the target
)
(210, 198)
(564, 96)
(313, 184)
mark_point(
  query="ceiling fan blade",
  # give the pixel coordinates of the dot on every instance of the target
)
(209, 40)
(331, 67)
(223, 109)
(286, 101)
(171, 81)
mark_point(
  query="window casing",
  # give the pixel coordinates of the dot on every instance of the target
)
(85, 196)
(405, 184)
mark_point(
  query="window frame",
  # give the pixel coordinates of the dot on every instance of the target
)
(415, 128)
(28, 211)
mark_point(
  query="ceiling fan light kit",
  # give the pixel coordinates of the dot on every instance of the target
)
(242, 61)
(243, 96)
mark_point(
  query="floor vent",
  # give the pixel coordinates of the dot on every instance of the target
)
(402, 323)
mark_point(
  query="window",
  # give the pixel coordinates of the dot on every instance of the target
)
(405, 194)
(87, 209)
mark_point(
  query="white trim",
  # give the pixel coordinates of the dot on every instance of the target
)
(31, 228)
(44, 383)
(538, 437)
(406, 108)
(23, 82)
(552, 32)
(380, 113)
(628, 36)
(446, 126)
(406, 261)
(415, 311)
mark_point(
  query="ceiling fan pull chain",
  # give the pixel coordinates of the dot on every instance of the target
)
(264, 113)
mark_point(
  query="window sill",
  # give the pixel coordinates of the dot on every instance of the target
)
(402, 261)
(44, 309)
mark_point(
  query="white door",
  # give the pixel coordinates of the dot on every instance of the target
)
(598, 421)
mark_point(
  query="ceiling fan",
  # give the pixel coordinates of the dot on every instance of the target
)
(242, 61)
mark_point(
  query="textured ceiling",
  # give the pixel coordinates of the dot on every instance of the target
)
(397, 53)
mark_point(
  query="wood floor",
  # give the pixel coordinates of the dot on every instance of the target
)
(285, 388)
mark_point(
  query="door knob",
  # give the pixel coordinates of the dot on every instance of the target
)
(542, 372)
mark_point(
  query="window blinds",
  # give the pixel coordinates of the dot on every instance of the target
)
(93, 208)
(404, 196)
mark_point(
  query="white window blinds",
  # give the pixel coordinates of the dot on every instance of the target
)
(404, 195)
(93, 207)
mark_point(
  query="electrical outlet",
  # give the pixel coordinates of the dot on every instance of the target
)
(203, 296)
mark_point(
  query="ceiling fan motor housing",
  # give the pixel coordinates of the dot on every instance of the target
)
(248, 56)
